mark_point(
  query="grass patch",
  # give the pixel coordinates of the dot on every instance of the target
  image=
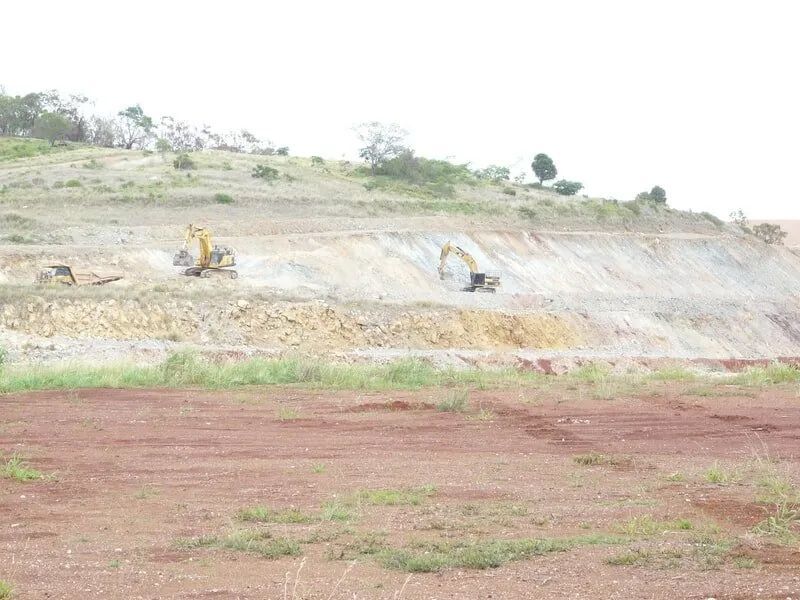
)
(456, 401)
(14, 148)
(262, 514)
(223, 198)
(287, 413)
(646, 526)
(676, 477)
(719, 475)
(590, 373)
(593, 459)
(772, 374)
(675, 373)
(16, 468)
(318, 468)
(186, 369)
(336, 510)
(782, 524)
(254, 542)
(389, 497)
(5, 590)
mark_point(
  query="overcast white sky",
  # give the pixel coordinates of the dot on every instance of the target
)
(700, 97)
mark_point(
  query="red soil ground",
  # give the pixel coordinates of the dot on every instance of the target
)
(135, 471)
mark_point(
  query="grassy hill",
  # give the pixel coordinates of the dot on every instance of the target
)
(45, 191)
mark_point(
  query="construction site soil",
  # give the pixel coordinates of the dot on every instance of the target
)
(133, 473)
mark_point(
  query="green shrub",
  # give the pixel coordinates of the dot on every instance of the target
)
(509, 191)
(3, 357)
(527, 212)
(184, 162)
(494, 173)
(317, 161)
(72, 183)
(223, 198)
(5, 590)
(93, 164)
(282, 151)
(567, 188)
(265, 172)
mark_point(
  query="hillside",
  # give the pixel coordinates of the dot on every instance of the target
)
(331, 260)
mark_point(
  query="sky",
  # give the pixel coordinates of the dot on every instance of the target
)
(700, 97)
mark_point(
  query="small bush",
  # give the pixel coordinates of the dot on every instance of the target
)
(317, 161)
(265, 172)
(72, 183)
(282, 151)
(509, 191)
(456, 401)
(223, 199)
(527, 212)
(184, 162)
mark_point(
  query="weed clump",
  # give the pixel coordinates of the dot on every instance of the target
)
(16, 468)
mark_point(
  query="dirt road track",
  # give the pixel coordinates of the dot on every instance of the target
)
(136, 470)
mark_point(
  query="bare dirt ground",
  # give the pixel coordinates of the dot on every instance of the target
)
(136, 472)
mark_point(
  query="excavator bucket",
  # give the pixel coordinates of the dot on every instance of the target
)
(182, 258)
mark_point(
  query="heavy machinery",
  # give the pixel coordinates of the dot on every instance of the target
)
(213, 260)
(478, 282)
(65, 275)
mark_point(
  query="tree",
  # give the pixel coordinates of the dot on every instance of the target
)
(738, 217)
(134, 126)
(657, 194)
(381, 142)
(770, 233)
(102, 132)
(162, 147)
(567, 188)
(51, 127)
(544, 168)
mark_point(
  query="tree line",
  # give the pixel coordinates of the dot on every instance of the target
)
(61, 118)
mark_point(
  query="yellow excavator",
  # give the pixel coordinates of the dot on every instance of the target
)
(213, 260)
(478, 282)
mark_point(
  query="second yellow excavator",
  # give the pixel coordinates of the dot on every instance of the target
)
(478, 282)
(213, 260)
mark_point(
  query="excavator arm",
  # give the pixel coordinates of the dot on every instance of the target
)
(203, 237)
(462, 254)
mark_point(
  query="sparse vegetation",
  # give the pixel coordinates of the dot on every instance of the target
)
(645, 526)
(6, 590)
(769, 233)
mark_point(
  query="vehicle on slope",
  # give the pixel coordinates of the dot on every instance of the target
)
(66, 275)
(478, 281)
(214, 261)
